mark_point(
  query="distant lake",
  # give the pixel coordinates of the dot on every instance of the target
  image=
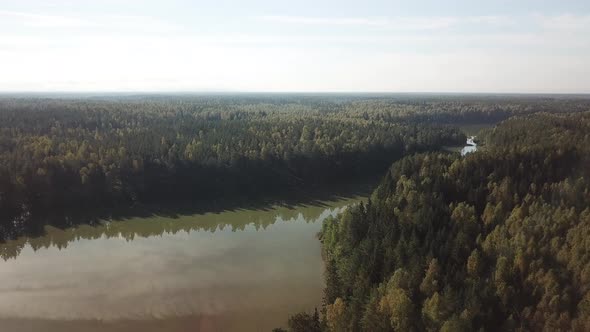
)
(470, 147)
(238, 270)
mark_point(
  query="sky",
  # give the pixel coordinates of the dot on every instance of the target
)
(494, 46)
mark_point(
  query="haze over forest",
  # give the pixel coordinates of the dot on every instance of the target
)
(307, 46)
(306, 166)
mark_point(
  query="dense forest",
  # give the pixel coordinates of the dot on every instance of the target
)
(60, 159)
(493, 240)
(72, 160)
(496, 240)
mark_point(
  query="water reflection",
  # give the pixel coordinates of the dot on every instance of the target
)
(129, 229)
(241, 270)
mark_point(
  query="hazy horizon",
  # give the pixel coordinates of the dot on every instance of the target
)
(178, 46)
(108, 93)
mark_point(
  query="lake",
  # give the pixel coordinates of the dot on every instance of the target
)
(237, 270)
(470, 147)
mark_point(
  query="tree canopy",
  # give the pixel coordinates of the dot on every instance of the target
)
(496, 240)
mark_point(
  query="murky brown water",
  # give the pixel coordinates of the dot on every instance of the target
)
(244, 270)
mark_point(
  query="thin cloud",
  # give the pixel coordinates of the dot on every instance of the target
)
(101, 51)
(399, 23)
(564, 22)
(115, 22)
(493, 20)
(42, 20)
(324, 20)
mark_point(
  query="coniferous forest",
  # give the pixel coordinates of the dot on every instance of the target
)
(64, 160)
(494, 240)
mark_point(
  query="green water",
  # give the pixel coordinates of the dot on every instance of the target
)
(240, 270)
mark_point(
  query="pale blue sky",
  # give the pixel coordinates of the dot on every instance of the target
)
(333, 46)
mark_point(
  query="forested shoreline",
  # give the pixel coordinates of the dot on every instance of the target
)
(63, 160)
(494, 240)
(68, 161)
(497, 240)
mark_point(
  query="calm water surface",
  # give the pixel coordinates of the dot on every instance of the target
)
(242, 270)
(470, 147)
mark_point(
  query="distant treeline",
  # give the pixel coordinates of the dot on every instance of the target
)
(61, 158)
(494, 241)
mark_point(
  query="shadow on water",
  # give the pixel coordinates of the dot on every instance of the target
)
(154, 220)
(315, 196)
